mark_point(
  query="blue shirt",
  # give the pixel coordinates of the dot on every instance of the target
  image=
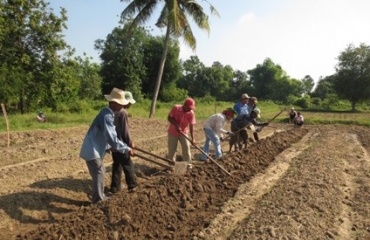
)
(241, 108)
(101, 136)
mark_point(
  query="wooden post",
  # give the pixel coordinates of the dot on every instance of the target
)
(7, 123)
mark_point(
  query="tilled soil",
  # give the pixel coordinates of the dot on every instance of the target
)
(306, 183)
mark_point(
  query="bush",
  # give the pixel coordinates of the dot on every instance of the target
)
(172, 93)
(207, 99)
(80, 106)
(303, 102)
(61, 107)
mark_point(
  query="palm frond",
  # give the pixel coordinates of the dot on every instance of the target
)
(195, 10)
(212, 8)
(188, 36)
(162, 19)
(143, 8)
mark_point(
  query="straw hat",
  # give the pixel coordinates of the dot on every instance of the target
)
(118, 96)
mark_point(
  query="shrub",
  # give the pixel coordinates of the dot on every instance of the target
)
(80, 106)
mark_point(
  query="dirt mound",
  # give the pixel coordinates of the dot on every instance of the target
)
(167, 206)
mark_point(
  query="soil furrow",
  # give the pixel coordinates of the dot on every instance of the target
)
(248, 194)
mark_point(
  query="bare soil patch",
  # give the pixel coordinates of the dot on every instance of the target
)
(309, 183)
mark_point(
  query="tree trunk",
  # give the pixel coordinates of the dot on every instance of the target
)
(21, 102)
(160, 73)
(353, 104)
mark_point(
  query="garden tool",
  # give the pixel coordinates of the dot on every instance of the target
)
(201, 150)
(248, 126)
(179, 168)
(259, 129)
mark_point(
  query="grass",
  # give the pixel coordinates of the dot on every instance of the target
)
(19, 122)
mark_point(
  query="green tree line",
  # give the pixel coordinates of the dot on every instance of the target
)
(38, 69)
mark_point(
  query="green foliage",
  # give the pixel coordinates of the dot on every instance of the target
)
(352, 80)
(172, 93)
(174, 17)
(303, 102)
(271, 82)
(204, 109)
(30, 41)
(207, 99)
(122, 57)
(80, 106)
(172, 70)
(61, 107)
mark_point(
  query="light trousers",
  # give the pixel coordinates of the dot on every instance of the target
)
(97, 172)
(211, 136)
(172, 147)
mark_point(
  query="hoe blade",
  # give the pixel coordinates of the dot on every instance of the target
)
(180, 168)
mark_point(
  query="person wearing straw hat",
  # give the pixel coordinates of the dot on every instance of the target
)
(123, 162)
(101, 137)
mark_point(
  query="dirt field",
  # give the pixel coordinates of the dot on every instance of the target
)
(309, 183)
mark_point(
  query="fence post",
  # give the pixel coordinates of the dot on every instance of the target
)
(7, 123)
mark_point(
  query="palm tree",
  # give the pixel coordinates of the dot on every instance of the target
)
(174, 16)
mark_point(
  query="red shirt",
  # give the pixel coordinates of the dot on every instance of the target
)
(182, 118)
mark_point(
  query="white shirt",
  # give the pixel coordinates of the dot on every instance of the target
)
(299, 118)
(216, 123)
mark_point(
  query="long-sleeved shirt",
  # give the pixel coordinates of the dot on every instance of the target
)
(216, 123)
(122, 126)
(241, 108)
(243, 120)
(102, 136)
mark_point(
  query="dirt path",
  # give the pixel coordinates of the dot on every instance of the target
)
(312, 183)
(316, 198)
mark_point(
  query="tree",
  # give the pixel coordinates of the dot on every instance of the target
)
(308, 84)
(264, 76)
(270, 81)
(172, 70)
(240, 84)
(130, 61)
(30, 43)
(174, 17)
(352, 81)
(122, 58)
(191, 80)
(324, 88)
(89, 77)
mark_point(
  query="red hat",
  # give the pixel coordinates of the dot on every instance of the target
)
(190, 103)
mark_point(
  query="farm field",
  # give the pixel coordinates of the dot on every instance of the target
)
(308, 183)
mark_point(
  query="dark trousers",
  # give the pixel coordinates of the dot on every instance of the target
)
(122, 162)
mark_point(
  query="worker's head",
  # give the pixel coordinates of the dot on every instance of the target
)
(256, 113)
(229, 113)
(252, 101)
(189, 105)
(116, 99)
(244, 98)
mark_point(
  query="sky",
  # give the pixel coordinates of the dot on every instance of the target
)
(305, 37)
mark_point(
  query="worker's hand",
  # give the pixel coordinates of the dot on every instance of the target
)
(265, 124)
(193, 142)
(222, 139)
(230, 134)
(132, 145)
(131, 152)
